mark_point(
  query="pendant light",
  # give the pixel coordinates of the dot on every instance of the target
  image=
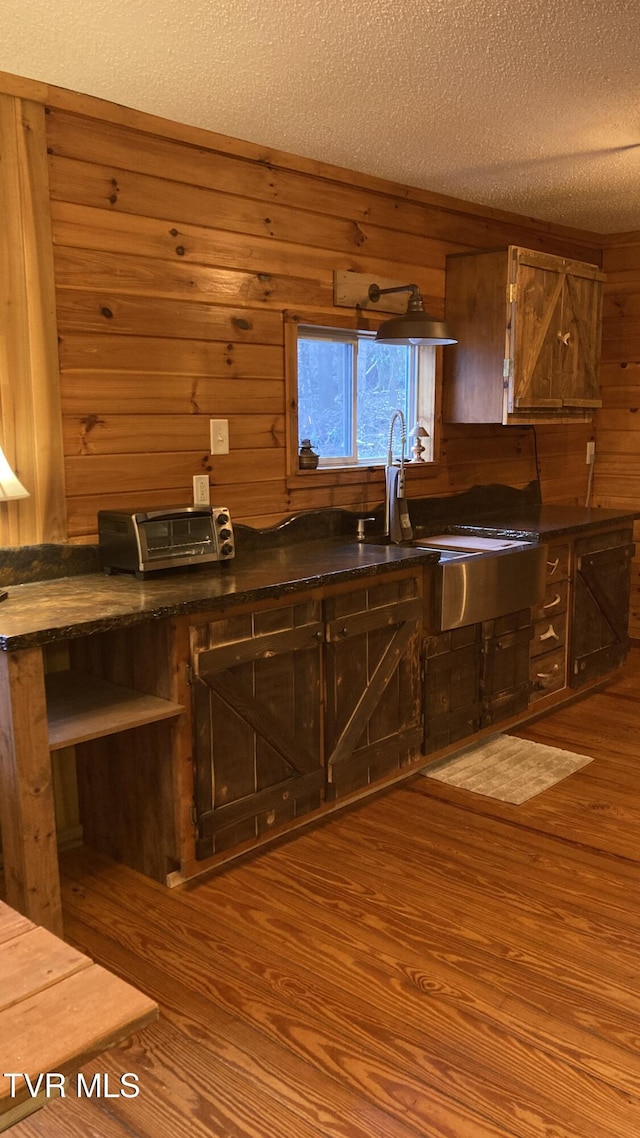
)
(415, 326)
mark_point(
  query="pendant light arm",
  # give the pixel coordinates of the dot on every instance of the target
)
(375, 292)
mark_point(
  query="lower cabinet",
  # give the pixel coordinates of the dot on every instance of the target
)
(600, 610)
(257, 723)
(197, 738)
(485, 673)
(474, 677)
(505, 673)
(121, 709)
(373, 684)
(453, 694)
(301, 703)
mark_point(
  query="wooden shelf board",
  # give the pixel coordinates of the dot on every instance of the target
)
(81, 707)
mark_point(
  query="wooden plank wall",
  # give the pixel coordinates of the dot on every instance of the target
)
(30, 428)
(616, 480)
(175, 259)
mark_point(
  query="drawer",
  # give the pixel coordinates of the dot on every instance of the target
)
(549, 634)
(547, 673)
(558, 562)
(555, 601)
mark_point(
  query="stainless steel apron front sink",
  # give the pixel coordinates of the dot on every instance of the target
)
(481, 578)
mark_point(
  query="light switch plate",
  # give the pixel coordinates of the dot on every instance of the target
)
(219, 436)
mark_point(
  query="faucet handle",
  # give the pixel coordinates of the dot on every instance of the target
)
(360, 524)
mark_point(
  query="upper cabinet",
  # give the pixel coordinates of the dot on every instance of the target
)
(528, 327)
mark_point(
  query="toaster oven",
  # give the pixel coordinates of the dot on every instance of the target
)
(144, 541)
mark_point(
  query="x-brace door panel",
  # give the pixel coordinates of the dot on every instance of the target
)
(600, 639)
(257, 740)
(373, 714)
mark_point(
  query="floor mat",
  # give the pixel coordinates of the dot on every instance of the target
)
(507, 768)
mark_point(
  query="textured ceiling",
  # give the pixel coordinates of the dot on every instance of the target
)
(532, 107)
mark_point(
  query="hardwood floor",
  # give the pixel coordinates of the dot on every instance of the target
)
(430, 963)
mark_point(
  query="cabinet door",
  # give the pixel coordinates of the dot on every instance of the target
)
(602, 584)
(257, 709)
(373, 697)
(555, 332)
(579, 341)
(536, 330)
(505, 674)
(452, 699)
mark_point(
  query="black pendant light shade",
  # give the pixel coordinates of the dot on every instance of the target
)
(415, 326)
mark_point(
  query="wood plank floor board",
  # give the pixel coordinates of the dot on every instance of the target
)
(227, 990)
(571, 814)
(600, 885)
(415, 888)
(467, 938)
(443, 971)
(372, 1052)
(511, 1059)
(574, 735)
(72, 1118)
(478, 860)
(246, 1049)
(251, 911)
(428, 964)
(232, 1046)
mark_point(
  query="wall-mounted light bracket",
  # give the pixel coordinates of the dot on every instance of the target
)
(351, 290)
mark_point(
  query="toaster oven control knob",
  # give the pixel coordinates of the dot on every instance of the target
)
(224, 534)
(222, 519)
(227, 549)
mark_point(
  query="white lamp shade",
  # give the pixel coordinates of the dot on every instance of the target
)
(10, 486)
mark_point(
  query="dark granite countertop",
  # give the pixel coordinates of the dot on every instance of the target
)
(270, 564)
(45, 611)
(542, 523)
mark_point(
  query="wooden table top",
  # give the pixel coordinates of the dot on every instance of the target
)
(58, 1010)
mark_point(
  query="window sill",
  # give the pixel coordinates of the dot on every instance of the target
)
(357, 475)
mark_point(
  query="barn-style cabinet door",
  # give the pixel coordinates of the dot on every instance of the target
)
(373, 713)
(256, 687)
(601, 589)
(554, 332)
(529, 328)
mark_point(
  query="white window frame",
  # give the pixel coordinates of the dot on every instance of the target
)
(421, 399)
(429, 406)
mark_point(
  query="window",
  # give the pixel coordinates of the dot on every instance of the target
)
(348, 387)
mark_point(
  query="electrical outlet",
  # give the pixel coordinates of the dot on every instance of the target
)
(219, 429)
(591, 452)
(201, 491)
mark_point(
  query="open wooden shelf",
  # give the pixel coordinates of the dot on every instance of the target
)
(82, 707)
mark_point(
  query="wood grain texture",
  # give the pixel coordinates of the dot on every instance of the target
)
(57, 1010)
(575, 242)
(166, 236)
(616, 477)
(35, 961)
(176, 261)
(429, 964)
(27, 811)
(29, 369)
(83, 707)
